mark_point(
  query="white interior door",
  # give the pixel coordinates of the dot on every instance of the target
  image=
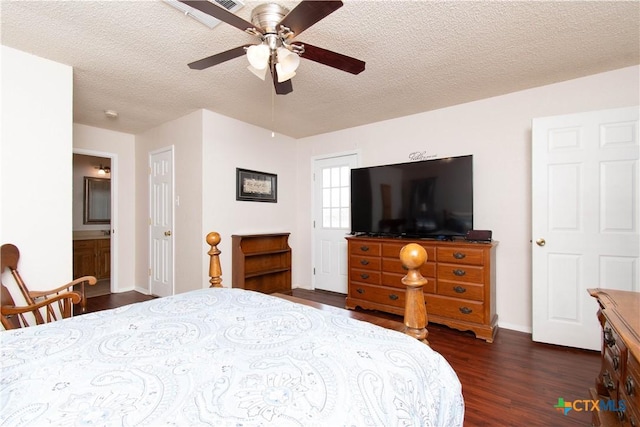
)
(585, 219)
(161, 222)
(332, 221)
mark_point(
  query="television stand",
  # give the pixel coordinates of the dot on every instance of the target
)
(461, 287)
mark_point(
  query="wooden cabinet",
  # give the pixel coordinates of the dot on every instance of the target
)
(92, 257)
(460, 292)
(262, 262)
(617, 386)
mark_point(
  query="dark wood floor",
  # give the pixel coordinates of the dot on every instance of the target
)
(511, 382)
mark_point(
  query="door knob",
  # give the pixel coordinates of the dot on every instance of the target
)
(167, 233)
(541, 242)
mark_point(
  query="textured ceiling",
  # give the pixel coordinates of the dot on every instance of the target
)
(132, 56)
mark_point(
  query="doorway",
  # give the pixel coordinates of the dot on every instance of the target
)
(93, 236)
(331, 220)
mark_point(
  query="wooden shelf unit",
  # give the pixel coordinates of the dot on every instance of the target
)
(461, 287)
(262, 262)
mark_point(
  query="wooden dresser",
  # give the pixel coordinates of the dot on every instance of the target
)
(261, 262)
(460, 292)
(619, 377)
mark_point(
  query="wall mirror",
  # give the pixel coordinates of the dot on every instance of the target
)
(97, 200)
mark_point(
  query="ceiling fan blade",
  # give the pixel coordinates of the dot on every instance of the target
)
(218, 58)
(332, 59)
(221, 13)
(307, 13)
(281, 88)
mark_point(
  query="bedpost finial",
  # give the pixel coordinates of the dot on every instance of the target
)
(213, 238)
(215, 270)
(413, 256)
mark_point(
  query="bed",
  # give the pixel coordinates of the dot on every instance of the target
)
(223, 357)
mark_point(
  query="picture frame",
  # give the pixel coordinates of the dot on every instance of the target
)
(255, 186)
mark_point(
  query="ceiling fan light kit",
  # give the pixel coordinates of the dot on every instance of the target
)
(277, 27)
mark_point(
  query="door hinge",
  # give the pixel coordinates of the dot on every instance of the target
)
(314, 271)
(149, 272)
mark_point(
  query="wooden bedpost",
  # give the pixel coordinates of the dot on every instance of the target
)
(215, 271)
(413, 256)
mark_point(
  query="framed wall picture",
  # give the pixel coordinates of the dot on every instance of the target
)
(254, 186)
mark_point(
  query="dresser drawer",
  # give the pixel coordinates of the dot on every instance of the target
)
(365, 248)
(365, 276)
(613, 344)
(470, 311)
(461, 290)
(395, 280)
(460, 273)
(631, 383)
(392, 250)
(365, 262)
(460, 255)
(428, 269)
(378, 294)
(608, 380)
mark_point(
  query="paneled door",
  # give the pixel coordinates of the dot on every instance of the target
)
(161, 280)
(332, 221)
(585, 218)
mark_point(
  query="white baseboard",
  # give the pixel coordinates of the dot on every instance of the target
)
(512, 327)
(143, 291)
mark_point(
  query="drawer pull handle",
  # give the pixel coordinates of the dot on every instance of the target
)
(607, 381)
(616, 362)
(629, 386)
(364, 262)
(364, 248)
(608, 337)
(393, 297)
(364, 276)
(360, 291)
(460, 289)
(459, 255)
(459, 272)
(465, 310)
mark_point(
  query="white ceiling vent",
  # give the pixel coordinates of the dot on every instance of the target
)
(208, 20)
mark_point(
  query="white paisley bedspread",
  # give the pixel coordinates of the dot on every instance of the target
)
(223, 357)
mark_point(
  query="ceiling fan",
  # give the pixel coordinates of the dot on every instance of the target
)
(276, 27)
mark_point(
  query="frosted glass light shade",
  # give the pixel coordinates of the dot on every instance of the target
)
(259, 73)
(283, 76)
(288, 60)
(258, 56)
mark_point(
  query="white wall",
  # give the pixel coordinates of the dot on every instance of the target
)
(120, 147)
(35, 166)
(497, 131)
(185, 135)
(229, 144)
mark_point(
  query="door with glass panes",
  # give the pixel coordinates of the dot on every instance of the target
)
(332, 221)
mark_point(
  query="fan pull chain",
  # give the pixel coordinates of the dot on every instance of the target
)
(273, 115)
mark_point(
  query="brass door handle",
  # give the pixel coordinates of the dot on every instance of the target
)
(167, 233)
(541, 242)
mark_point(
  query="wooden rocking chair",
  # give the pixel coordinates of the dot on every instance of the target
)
(9, 257)
(57, 305)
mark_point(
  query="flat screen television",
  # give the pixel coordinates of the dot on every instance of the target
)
(423, 199)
